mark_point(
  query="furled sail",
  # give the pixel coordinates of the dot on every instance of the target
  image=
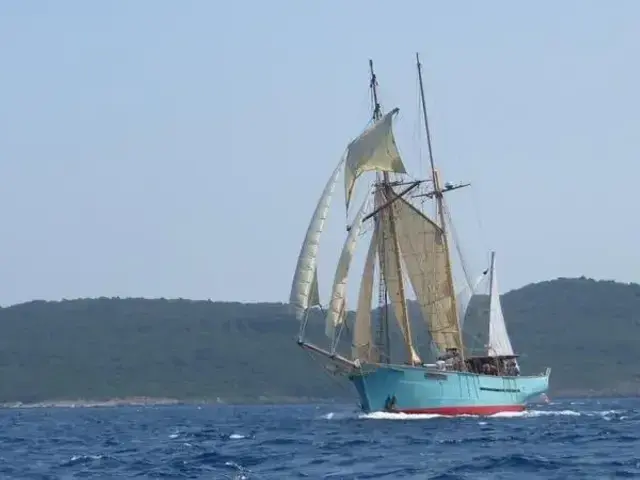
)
(337, 307)
(362, 341)
(389, 255)
(499, 341)
(304, 289)
(374, 149)
(424, 255)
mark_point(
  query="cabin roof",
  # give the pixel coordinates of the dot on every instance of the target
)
(486, 357)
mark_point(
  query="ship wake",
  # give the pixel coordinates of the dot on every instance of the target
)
(533, 413)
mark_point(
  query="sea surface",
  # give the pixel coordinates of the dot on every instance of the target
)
(566, 439)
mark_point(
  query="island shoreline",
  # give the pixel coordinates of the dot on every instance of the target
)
(142, 401)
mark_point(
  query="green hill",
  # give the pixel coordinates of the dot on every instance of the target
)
(587, 331)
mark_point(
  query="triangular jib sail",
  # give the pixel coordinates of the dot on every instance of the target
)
(304, 289)
(337, 307)
(499, 341)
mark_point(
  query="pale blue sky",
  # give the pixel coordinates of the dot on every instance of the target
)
(177, 148)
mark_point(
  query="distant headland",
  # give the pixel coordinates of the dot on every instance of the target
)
(116, 351)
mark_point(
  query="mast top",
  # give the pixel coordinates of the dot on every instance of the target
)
(438, 192)
(373, 85)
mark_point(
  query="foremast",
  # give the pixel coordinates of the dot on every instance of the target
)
(374, 149)
(384, 184)
(383, 340)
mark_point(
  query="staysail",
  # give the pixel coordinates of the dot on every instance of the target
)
(304, 289)
(337, 307)
(362, 341)
(499, 341)
(464, 297)
(374, 149)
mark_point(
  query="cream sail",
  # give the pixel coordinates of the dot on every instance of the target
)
(304, 289)
(337, 307)
(374, 149)
(362, 338)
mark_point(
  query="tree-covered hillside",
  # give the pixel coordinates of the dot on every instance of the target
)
(587, 331)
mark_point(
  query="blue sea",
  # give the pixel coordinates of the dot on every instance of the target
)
(566, 439)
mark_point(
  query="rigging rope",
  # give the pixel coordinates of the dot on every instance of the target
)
(457, 244)
(476, 208)
(325, 369)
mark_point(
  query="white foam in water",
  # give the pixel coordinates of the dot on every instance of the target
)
(525, 414)
(75, 458)
(542, 413)
(510, 414)
(398, 416)
(236, 436)
(240, 475)
(340, 415)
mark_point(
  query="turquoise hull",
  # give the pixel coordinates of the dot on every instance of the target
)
(426, 390)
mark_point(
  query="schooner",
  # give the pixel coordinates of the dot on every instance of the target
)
(410, 250)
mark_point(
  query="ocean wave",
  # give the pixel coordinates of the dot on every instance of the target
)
(594, 440)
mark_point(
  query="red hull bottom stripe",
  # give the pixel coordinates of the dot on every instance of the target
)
(465, 410)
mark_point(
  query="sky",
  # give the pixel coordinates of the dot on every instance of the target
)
(164, 148)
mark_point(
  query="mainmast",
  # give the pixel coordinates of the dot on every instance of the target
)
(385, 186)
(438, 194)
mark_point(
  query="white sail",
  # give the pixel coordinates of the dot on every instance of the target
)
(374, 149)
(337, 307)
(304, 289)
(362, 341)
(499, 341)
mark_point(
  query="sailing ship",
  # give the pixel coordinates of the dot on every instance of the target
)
(410, 248)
